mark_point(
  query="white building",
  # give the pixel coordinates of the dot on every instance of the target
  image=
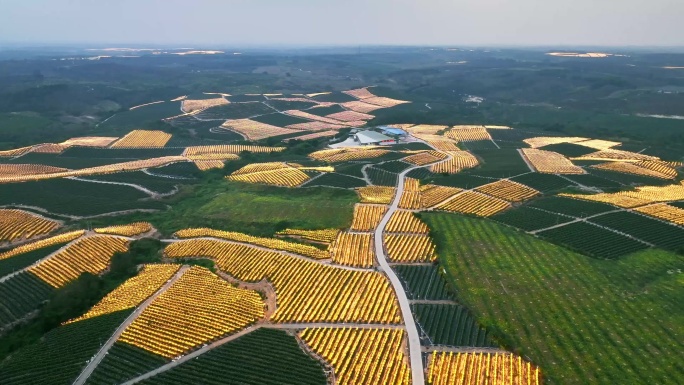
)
(366, 138)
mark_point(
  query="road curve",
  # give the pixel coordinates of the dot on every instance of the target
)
(95, 361)
(415, 352)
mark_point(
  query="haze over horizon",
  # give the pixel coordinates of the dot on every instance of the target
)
(352, 22)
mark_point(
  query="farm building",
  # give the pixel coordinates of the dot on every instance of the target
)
(388, 130)
(372, 138)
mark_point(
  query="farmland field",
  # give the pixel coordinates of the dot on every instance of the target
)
(450, 325)
(593, 240)
(554, 305)
(529, 219)
(423, 282)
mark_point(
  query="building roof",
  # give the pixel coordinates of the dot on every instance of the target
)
(371, 137)
(393, 131)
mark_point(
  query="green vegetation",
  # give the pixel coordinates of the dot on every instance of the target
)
(562, 309)
(179, 170)
(569, 149)
(323, 111)
(545, 183)
(265, 356)
(72, 197)
(394, 166)
(124, 362)
(450, 325)
(353, 169)
(153, 183)
(333, 179)
(572, 207)
(131, 119)
(501, 163)
(593, 241)
(422, 282)
(660, 234)
(479, 145)
(529, 219)
(10, 265)
(280, 120)
(121, 154)
(591, 180)
(21, 295)
(61, 355)
(381, 177)
(335, 97)
(462, 180)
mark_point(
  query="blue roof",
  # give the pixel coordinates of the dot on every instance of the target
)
(392, 130)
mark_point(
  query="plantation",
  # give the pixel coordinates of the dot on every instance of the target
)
(234, 111)
(660, 234)
(20, 295)
(393, 166)
(592, 180)
(502, 163)
(353, 169)
(593, 240)
(20, 261)
(120, 153)
(265, 356)
(277, 119)
(124, 362)
(422, 282)
(529, 219)
(381, 177)
(140, 116)
(450, 325)
(333, 179)
(554, 306)
(61, 355)
(545, 183)
(572, 207)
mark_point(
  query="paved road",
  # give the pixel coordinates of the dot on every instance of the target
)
(415, 353)
(95, 361)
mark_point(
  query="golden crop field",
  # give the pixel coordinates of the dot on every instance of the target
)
(367, 217)
(613, 155)
(353, 249)
(460, 160)
(405, 248)
(411, 184)
(433, 194)
(198, 308)
(99, 170)
(128, 230)
(253, 130)
(508, 190)
(19, 224)
(663, 172)
(133, 291)
(50, 148)
(276, 173)
(490, 127)
(384, 102)
(204, 165)
(405, 222)
(314, 135)
(316, 126)
(66, 237)
(307, 291)
(661, 211)
(350, 116)
(15, 152)
(270, 243)
(468, 133)
(90, 141)
(360, 106)
(91, 255)
(426, 157)
(361, 356)
(143, 139)
(549, 162)
(543, 141)
(376, 194)
(640, 196)
(411, 200)
(225, 151)
(443, 144)
(430, 129)
(480, 369)
(471, 202)
(19, 170)
(193, 105)
(359, 93)
(324, 236)
(347, 154)
(598, 144)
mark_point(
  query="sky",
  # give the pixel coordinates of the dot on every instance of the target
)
(247, 23)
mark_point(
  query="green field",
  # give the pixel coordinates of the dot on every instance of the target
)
(265, 356)
(10, 265)
(61, 355)
(333, 179)
(21, 295)
(584, 321)
(131, 119)
(124, 362)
